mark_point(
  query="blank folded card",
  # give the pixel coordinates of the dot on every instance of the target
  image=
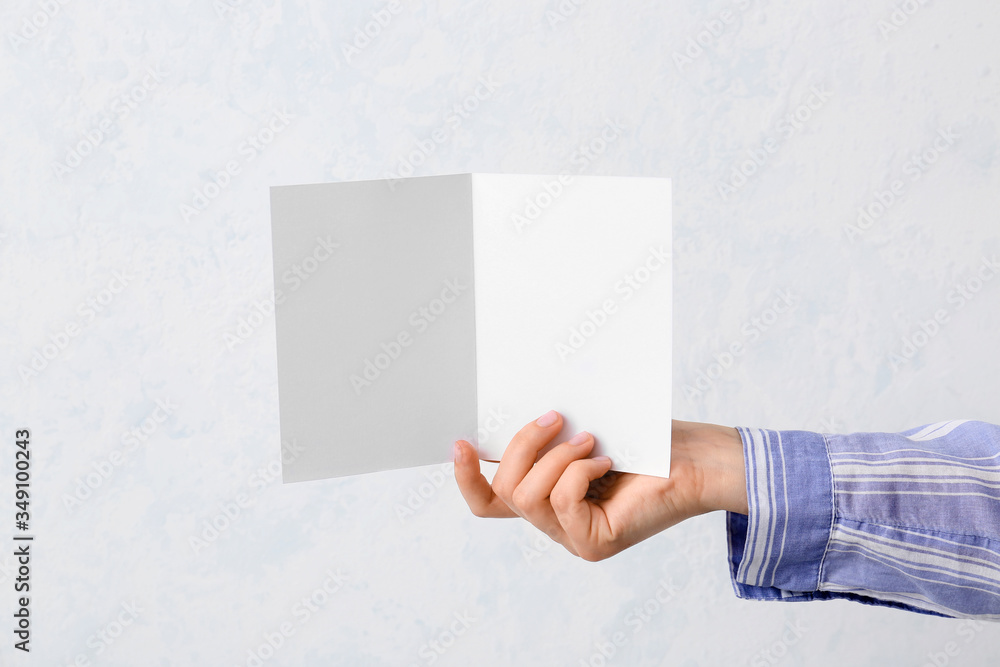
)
(414, 312)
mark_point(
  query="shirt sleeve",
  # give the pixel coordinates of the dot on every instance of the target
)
(908, 520)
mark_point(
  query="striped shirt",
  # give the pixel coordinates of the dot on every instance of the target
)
(908, 520)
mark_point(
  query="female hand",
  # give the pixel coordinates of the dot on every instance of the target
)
(592, 511)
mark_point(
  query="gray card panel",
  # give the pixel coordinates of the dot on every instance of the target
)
(376, 336)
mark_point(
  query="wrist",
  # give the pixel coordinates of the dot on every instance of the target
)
(715, 455)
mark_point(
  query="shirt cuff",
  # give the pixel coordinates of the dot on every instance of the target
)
(776, 550)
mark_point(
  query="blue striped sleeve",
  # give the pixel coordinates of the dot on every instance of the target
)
(908, 520)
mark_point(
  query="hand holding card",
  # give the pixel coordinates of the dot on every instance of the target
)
(460, 306)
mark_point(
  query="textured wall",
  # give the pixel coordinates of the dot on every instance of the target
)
(138, 143)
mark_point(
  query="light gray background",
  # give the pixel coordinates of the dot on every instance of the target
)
(553, 86)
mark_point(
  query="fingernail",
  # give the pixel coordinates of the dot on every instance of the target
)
(603, 458)
(458, 452)
(579, 438)
(548, 419)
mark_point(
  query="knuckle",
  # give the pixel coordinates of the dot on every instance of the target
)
(590, 554)
(504, 492)
(523, 438)
(560, 502)
(521, 498)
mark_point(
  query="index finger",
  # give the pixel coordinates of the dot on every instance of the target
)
(522, 452)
